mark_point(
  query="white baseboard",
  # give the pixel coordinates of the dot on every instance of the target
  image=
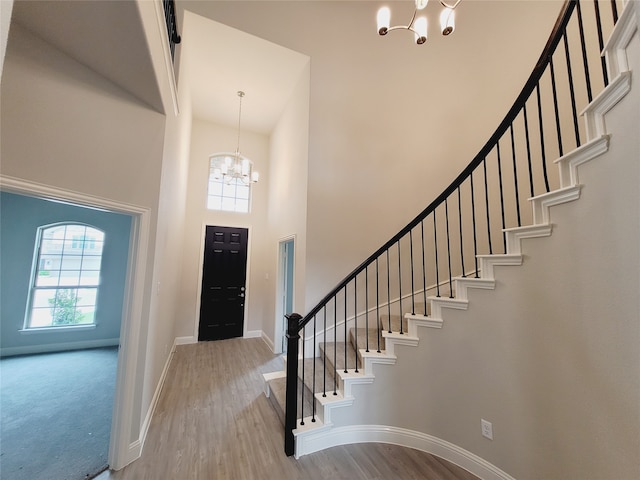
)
(185, 340)
(252, 334)
(58, 347)
(139, 444)
(306, 444)
(269, 342)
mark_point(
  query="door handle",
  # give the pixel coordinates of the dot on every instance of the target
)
(241, 295)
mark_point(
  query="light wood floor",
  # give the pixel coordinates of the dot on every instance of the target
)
(213, 422)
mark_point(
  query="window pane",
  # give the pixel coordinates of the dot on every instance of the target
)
(228, 204)
(65, 311)
(242, 206)
(243, 192)
(47, 278)
(214, 203)
(71, 262)
(90, 277)
(86, 297)
(44, 298)
(91, 262)
(41, 317)
(69, 278)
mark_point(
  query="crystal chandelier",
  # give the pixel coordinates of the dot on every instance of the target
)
(236, 167)
(419, 25)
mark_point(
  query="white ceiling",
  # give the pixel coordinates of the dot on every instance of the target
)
(220, 60)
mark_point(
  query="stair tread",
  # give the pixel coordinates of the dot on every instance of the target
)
(337, 351)
(278, 388)
(362, 335)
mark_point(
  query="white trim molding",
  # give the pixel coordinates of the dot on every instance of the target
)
(399, 436)
(58, 347)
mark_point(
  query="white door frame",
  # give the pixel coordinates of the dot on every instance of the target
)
(279, 329)
(122, 449)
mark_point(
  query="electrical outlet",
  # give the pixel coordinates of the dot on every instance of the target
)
(487, 429)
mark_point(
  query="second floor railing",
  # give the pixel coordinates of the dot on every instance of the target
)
(172, 25)
(466, 220)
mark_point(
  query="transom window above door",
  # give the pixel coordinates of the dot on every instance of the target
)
(230, 193)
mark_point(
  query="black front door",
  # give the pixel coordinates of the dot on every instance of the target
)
(223, 283)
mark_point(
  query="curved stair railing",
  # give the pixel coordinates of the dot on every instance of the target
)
(467, 220)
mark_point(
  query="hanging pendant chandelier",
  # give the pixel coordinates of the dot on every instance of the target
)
(236, 167)
(419, 25)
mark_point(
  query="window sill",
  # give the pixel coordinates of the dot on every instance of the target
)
(69, 328)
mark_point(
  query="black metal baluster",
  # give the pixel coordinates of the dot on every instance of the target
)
(313, 378)
(446, 221)
(464, 273)
(501, 189)
(366, 305)
(526, 136)
(324, 364)
(389, 290)
(614, 11)
(335, 344)
(475, 236)
(304, 338)
(400, 286)
(486, 199)
(413, 288)
(574, 108)
(515, 177)
(378, 304)
(424, 269)
(355, 317)
(346, 338)
(603, 60)
(542, 148)
(555, 107)
(435, 241)
(583, 44)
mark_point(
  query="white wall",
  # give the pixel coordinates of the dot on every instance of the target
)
(287, 214)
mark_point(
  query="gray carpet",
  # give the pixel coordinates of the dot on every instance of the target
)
(55, 411)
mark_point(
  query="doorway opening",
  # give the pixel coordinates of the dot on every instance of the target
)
(121, 448)
(285, 290)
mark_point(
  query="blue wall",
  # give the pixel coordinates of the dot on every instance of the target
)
(20, 217)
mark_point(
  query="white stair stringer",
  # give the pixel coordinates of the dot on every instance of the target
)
(487, 262)
(597, 143)
(463, 284)
(605, 101)
(542, 204)
(514, 236)
(568, 164)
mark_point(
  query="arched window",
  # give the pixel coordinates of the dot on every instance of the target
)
(227, 192)
(66, 276)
